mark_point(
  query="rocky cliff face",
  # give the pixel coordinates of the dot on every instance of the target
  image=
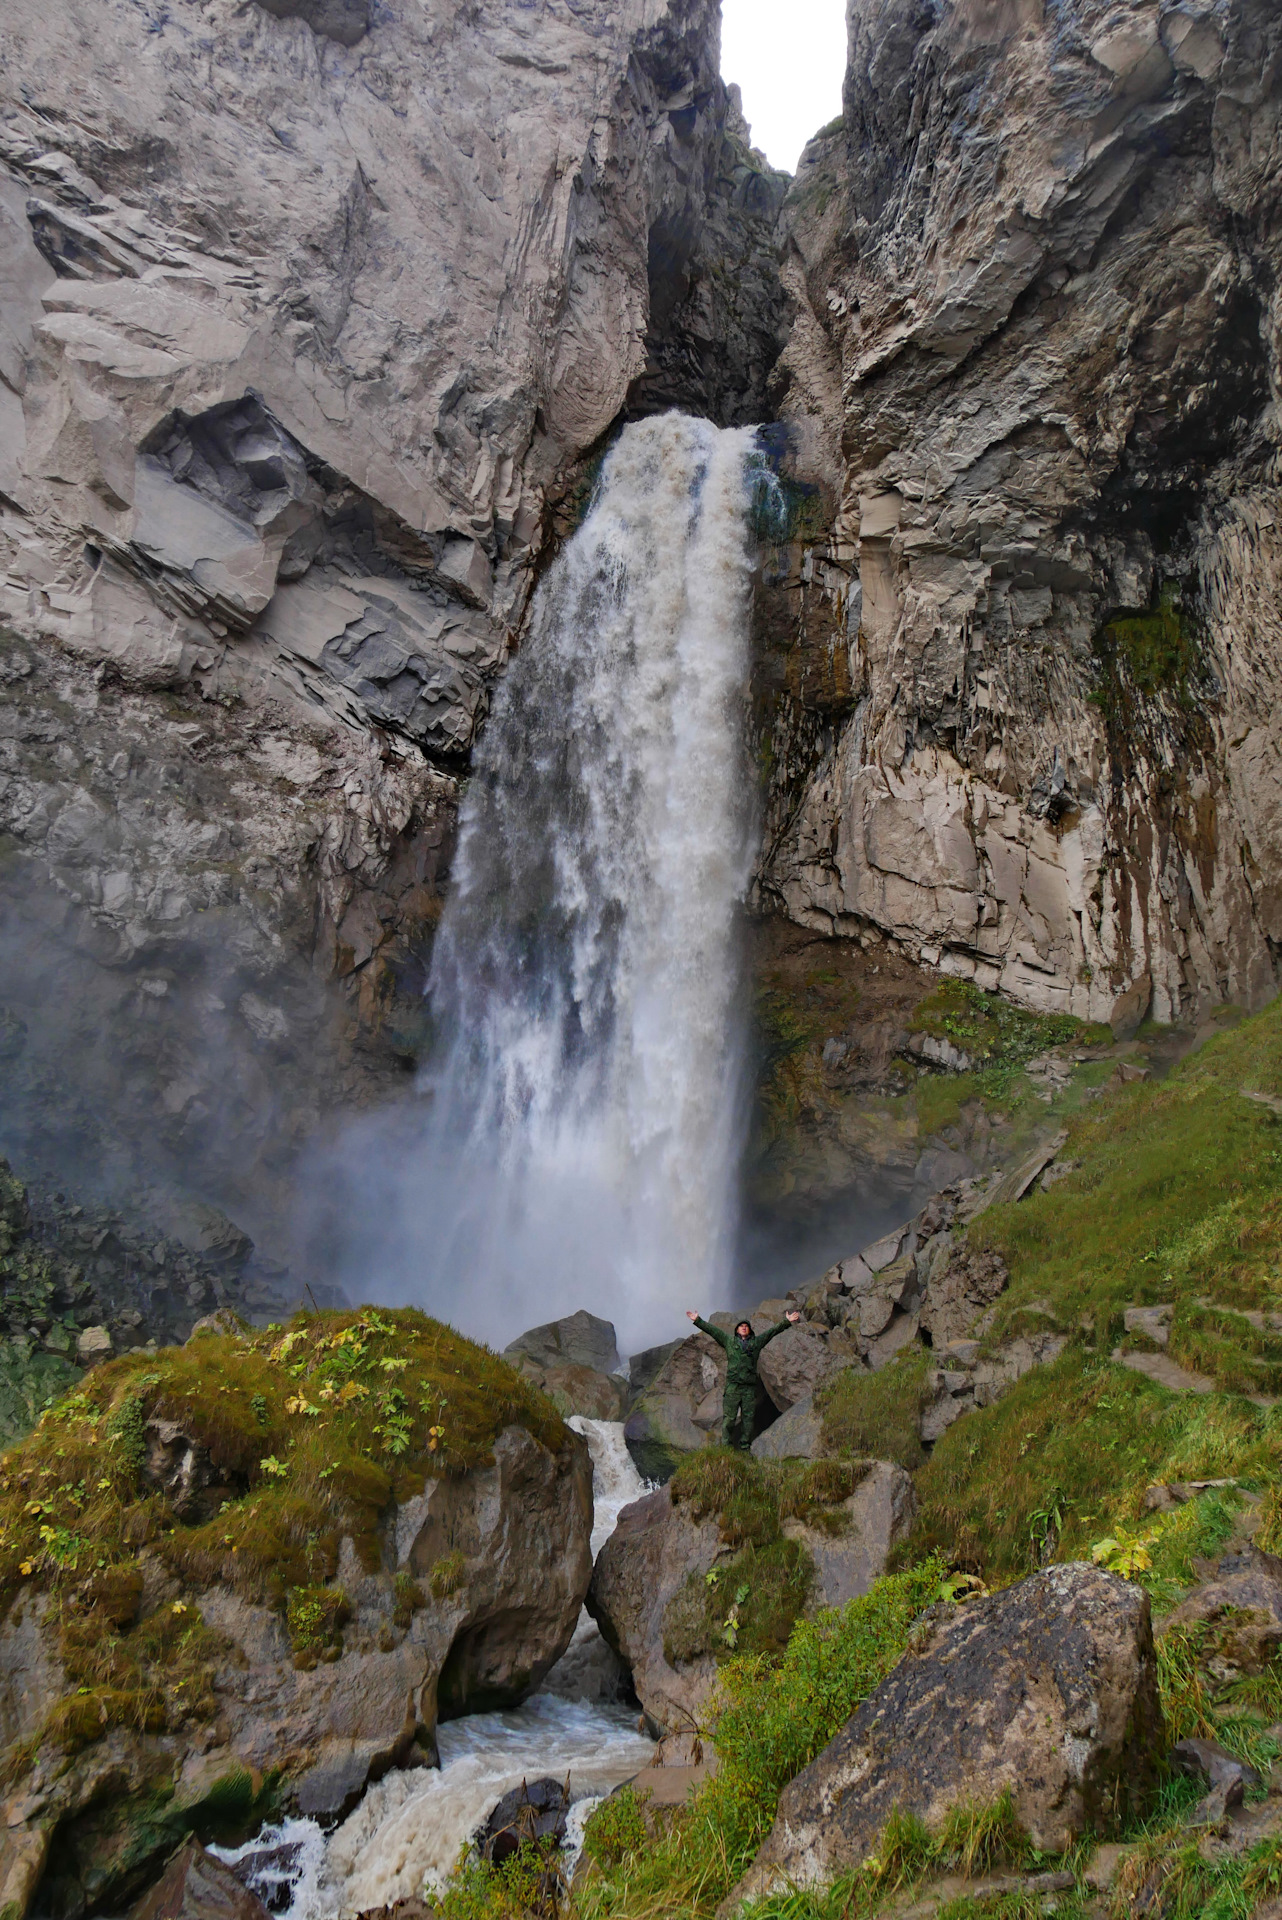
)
(308, 318)
(1025, 635)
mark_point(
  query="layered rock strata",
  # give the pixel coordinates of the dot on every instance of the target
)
(308, 318)
(1030, 593)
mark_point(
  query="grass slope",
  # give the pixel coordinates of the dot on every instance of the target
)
(1176, 1200)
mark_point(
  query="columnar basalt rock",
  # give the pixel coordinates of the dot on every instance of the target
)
(1030, 391)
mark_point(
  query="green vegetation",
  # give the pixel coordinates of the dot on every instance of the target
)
(35, 1290)
(1176, 1198)
(999, 1038)
(30, 1381)
(1157, 651)
(878, 1414)
(751, 1602)
(771, 1715)
(447, 1575)
(316, 1617)
(312, 1430)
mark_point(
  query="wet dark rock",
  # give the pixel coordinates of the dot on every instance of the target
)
(179, 1466)
(577, 1340)
(535, 1811)
(196, 1886)
(582, 1390)
(643, 1366)
(271, 1873)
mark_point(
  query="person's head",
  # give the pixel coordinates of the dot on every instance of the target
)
(744, 1329)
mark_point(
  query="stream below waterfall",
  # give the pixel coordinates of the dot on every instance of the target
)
(581, 1115)
(410, 1828)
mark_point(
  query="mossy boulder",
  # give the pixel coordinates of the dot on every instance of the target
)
(271, 1555)
(729, 1555)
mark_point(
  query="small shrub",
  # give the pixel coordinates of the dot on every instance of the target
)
(980, 1837)
(903, 1852)
(127, 1433)
(315, 1617)
(407, 1596)
(707, 1481)
(814, 1491)
(448, 1575)
(528, 1885)
(616, 1828)
(1165, 1874)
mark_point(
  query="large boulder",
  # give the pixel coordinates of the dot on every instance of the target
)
(577, 1340)
(796, 1435)
(1048, 1689)
(196, 1886)
(878, 1515)
(238, 1645)
(962, 1283)
(659, 1544)
(680, 1409)
(583, 1390)
(797, 1362)
(638, 1572)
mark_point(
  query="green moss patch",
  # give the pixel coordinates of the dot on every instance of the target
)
(312, 1429)
(1155, 651)
(750, 1602)
(877, 1414)
(999, 1037)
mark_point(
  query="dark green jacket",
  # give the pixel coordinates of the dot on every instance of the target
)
(741, 1355)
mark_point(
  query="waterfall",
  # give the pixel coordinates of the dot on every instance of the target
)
(584, 1119)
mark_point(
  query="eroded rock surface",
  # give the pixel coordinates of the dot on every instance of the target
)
(1048, 1689)
(309, 314)
(1033, 595)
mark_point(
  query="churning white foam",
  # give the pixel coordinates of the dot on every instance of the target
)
(410, 1828)
(585, 992)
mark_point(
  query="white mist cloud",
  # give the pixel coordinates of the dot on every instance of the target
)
(789, 61)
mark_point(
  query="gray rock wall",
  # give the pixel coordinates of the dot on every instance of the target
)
(309, 317)
(1030, 387)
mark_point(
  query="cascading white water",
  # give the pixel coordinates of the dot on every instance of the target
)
(585, 1123)
(409, 1829)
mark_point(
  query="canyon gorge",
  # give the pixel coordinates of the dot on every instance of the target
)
(588, 724)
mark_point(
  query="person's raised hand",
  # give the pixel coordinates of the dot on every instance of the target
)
(792, 1318)
(691, 1316)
